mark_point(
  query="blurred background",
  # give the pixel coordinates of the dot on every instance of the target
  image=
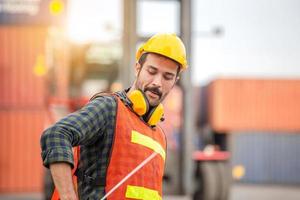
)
(232, 122)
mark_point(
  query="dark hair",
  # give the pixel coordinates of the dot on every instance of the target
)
(143, 58)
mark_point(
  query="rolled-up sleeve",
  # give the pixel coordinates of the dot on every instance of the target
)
(82, 127)
(56, 146)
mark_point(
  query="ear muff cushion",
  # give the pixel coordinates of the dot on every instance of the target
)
(155, 115)
(139, 102)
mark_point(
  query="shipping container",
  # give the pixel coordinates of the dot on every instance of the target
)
(22, 107)
(20, 160)
(267, 157)
(22, 65)
(253, 104)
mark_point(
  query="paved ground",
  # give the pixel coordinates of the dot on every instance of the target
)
(264, 192)
(21, 197)
(238, 192)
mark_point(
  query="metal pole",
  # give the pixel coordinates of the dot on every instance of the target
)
(187, 165)
(129, 42)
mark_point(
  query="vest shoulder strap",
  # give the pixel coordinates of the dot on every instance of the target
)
(102, 94)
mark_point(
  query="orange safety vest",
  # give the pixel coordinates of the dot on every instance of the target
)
(135, 141)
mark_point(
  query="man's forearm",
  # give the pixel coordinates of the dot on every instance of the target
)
(62, 177)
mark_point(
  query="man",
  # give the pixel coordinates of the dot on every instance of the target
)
(118, 132)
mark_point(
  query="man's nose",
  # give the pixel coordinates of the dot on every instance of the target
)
(157, 81)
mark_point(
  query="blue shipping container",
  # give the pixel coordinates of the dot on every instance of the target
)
(267, 157)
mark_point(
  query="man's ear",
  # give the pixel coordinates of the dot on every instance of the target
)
(177, 79)
(137, 68)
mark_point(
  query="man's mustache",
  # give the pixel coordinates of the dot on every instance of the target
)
(154, 90)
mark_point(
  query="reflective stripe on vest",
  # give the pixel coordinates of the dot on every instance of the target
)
(146, 141)
(142, 193)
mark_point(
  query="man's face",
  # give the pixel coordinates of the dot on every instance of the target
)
(156, 77)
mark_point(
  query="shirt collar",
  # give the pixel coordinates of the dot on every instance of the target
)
(123, 97)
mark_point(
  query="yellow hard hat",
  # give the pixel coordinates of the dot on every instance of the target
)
(168, 45)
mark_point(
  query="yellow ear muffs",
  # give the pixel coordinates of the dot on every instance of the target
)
(155, 115)
(140, 106)
(139, 102)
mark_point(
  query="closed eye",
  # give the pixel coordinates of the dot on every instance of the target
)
(169, 76)
(152, 70)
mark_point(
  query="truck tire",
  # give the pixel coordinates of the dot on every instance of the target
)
(208, 181)
(213, 180)
(225, 179)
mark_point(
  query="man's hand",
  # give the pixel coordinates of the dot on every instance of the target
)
(62, 176)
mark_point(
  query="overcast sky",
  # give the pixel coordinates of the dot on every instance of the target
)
(261, 39)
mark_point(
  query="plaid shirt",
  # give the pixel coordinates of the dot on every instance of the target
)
(91, 128)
